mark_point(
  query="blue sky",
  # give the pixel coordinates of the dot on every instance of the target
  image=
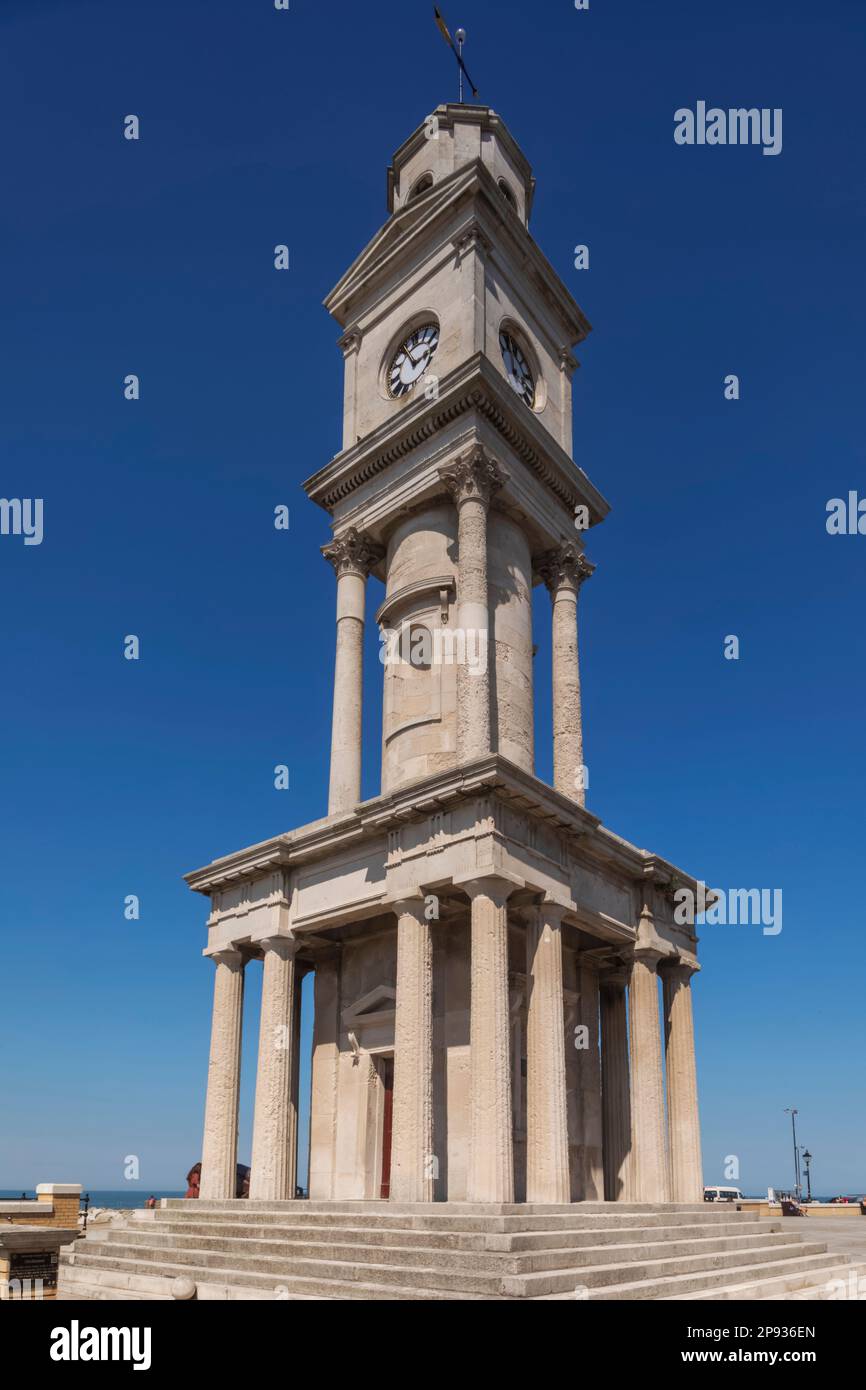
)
(156, 257)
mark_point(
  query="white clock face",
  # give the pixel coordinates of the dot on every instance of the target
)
(412, 358)
(517, 368)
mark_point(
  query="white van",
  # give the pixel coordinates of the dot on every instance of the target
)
(722, 1194)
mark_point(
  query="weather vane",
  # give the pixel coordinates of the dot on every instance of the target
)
(458, 52)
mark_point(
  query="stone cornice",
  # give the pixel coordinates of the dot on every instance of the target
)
(474, 386)
(489, 775)
(668, 878)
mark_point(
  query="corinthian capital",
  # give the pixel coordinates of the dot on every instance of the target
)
(564, 568)
(352, 553)
(474, 477)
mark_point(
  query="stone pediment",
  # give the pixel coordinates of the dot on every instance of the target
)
(472, 191)
(395, 234)
(376, 1006)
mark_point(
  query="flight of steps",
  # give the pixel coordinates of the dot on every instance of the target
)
(447, 1251)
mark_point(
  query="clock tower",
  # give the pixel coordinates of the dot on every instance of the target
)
(456, 465)
(488, 957)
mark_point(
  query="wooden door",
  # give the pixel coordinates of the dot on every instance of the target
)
(386, 1072)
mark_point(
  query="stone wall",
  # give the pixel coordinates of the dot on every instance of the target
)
(419, 733)
(56, 1204)
(510, 590)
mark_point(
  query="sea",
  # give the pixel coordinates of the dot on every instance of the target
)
(129, 1198)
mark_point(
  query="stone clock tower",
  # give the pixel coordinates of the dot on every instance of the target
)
(487, 955)
(456, 471)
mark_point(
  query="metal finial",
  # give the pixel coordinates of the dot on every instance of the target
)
(458, 52)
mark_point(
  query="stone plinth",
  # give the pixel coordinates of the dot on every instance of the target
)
(29, 1260)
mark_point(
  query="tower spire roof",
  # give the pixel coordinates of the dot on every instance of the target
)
(451, 137)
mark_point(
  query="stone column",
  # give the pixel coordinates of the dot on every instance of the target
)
(275, 1119)
(352, 556)
(687, 1182)
(302, 969)
(649, 1167)
(472, 480)
(563, 571)
(220, 1145)
(592, 1175)
(412, 1134)
(491, 1152)
(615, 1098)
(323, 1091)
(547, 1167)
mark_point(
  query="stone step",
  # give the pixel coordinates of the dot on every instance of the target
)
(811, 1285)
(626, 1233)
(121, 1286)
(833, 1288)
(386, 1207)
(445, 1220)
(221, 1279)
(92, 1271)
(705, 1283)
(447, 1240)
(713, 1267)
(706, 1287)
(286, 1255)
(248, 1248)
(462, 1272)
(447, 1251)
(273, 1270)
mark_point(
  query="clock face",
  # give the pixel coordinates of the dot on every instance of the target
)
(517, 367)
(412, 359)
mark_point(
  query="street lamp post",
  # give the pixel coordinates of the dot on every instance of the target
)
(798, 1186)
(807, 1159)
